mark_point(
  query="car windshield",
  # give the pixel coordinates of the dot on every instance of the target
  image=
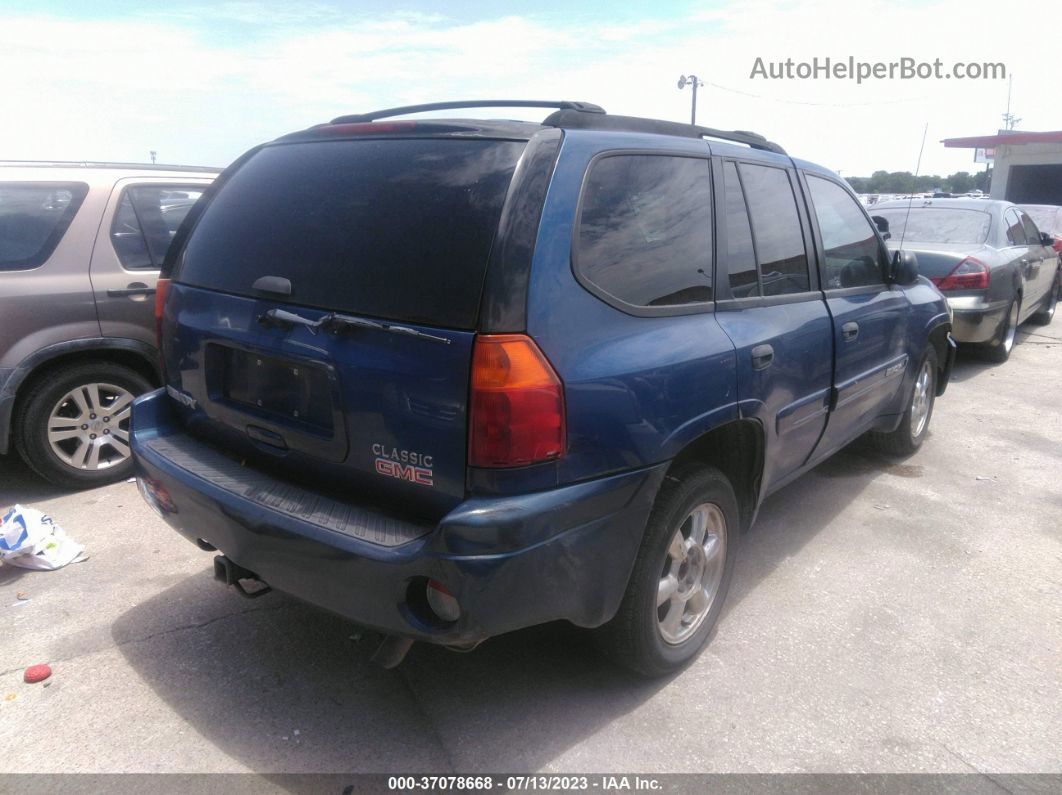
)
(935, 224)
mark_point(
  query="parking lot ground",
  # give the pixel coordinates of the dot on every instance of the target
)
(884, 617)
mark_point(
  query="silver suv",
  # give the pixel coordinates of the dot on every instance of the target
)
(81, 245)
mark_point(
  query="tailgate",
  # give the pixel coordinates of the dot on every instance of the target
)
(322, 312)
(377, 415)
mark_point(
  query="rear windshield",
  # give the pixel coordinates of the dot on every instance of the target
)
(935, 224)
(396, 229)
(33, 218)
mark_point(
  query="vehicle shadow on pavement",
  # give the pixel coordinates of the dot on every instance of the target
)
(20, 484)
(247, 674)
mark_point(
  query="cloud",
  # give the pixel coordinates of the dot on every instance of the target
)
(203, 83)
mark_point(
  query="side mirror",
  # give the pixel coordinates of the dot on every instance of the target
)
(882, 223)
(1046, 240)
(904, 268)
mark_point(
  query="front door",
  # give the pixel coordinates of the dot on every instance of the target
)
(1044, 258)
(141, 218)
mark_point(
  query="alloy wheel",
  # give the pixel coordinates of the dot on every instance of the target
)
(921, 400)
(1012, 328)
(692, 573)
(88, 428)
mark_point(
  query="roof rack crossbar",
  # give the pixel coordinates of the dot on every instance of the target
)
(582, 107)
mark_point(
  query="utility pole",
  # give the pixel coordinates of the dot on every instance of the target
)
(1010, 121)
(694, 83)
(153, 153)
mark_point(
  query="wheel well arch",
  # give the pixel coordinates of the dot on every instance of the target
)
(137, 356)
(737, 450)
(938, 338)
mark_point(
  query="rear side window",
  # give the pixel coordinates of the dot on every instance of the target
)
(33, 218)
(776, 229)
(1015, 230)
(146, 221)
(852, 253)
(645, 229)
(1032, 234)
(396, 229)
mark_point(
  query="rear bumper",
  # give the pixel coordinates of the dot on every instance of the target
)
(980, 324)
(510, 562)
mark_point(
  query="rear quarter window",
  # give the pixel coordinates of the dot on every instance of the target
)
(34, 216)
(399, 229)
(645, 230)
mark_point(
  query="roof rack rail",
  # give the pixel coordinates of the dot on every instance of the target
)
(565, 119)
(577, 107)
(107, 164)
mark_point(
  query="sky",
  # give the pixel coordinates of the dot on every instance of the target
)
(201, 82)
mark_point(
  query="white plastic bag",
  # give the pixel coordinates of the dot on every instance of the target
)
(32, 540)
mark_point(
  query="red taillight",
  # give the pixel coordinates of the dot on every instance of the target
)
(970, 274)
(160, 304)
(1058, 245)
(517, 404)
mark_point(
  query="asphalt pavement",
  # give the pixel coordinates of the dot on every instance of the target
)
(884, 617)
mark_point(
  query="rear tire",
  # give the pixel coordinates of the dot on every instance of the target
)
(914, 426)
(1047, 310)
(72, 427)
(680, 577)
(998, 350)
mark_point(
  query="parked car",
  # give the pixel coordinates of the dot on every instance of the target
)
(1048, 218)
(450, 378)
(80, 249)
(988, 257)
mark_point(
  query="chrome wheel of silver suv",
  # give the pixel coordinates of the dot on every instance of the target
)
(72, 425)
(88, 427)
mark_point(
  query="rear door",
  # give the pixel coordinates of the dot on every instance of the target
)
(773, 312)
(1020, 253)
(870, 318)
(322, 313)
(138, 225)
(1042, 257)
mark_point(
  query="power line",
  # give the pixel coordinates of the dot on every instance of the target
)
(817, 104)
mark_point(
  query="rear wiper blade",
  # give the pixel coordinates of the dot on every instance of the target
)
(337, 322)
(285, 319)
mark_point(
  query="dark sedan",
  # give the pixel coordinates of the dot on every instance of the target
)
(988, 257)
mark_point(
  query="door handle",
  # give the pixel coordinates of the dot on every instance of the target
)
(849, 331)
(762, 356)
(131, 290)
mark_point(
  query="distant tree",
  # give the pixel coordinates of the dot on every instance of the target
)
(961, 182)
(906, 182)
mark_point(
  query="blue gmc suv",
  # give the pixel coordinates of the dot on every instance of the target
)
(449, 378)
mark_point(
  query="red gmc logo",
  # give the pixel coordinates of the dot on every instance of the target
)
(393, 469)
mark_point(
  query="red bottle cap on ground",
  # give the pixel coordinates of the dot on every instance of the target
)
(37, 673)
